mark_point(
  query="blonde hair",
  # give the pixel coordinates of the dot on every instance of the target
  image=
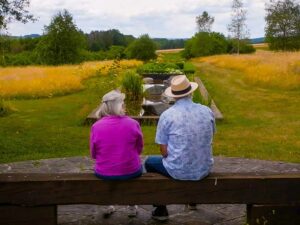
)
(112, 104)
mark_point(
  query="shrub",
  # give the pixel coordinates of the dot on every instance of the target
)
(155, 67)
(142, 48)
(20, 59)
(116, 52)
(204, 44)
(245, 47)
(132, 85)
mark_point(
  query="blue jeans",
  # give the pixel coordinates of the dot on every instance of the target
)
(153, 164)
(121, 177)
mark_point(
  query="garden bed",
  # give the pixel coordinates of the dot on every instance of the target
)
(154, 102)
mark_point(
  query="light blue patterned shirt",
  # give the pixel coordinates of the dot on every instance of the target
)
(187, 129)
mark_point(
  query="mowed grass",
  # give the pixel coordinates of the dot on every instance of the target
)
(259, 123)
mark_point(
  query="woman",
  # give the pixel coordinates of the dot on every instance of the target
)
(116, 141)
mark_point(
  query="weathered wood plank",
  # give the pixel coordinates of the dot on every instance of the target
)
(273, 214)
(204, 93)
(51, 189)
(17, 215)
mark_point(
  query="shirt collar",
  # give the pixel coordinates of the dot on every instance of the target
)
(183, 100)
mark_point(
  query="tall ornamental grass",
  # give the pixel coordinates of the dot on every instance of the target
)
(264, 68)
(132, 85)
(47, 81)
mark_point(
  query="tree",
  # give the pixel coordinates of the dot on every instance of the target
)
(9, 11)
(142, 48)
(14, 10)
(204, 22)
(103, 40)
(204, 44)
(62, 42)
(238, 27)
(283, 25)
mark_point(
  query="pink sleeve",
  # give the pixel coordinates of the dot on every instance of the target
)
(92, 148)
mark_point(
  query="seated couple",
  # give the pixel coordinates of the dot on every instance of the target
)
(184, 133)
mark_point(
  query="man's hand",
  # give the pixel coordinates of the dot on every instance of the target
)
(163, 150)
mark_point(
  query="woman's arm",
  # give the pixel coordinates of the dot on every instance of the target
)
(139, 141)
(92, 147)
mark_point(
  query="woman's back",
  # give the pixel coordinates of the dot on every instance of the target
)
(116, 142)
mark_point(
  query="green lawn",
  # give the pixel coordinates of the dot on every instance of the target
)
(259, 123)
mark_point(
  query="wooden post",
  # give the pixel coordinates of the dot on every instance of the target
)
(273, 214)
(21, 215)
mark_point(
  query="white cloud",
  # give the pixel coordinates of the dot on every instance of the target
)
(158, 18)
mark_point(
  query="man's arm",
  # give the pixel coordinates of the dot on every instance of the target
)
(163, 150)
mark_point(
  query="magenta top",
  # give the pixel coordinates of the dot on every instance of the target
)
(115, 144)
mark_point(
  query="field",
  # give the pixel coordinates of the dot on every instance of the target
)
(48, 81)
(279, 70)
(261, 118)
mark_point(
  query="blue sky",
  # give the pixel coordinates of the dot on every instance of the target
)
(158, 18)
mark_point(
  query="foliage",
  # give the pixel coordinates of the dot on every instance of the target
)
(132, 85)
(264, 68)
(142, 48)
(116, 52)
(156, 67)
(243, 46)
(204, 22)
(204, 43)
(62, 42)
(104, 40)
(238, 27)
(164, 43)
(14, 10)
(283, 25)
(21, 59)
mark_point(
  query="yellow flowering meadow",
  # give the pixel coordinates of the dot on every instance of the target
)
(46, 81)
(264, 68)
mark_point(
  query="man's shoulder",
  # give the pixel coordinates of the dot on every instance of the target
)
(203, 108)
(168, 112)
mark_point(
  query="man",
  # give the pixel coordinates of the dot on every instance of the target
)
(184, 133)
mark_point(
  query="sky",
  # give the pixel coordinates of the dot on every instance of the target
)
(158, 18)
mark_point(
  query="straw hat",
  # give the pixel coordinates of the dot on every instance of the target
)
(180, 87)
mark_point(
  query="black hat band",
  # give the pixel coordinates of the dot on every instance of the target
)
(182, 91)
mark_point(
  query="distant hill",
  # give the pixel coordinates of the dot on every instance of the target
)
(26, 36)
(257, 40)
(31, 36)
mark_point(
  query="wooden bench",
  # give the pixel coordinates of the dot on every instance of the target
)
(33, 198)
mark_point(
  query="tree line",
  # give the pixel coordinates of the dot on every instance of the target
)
(63, 42)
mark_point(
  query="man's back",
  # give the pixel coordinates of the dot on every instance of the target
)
(187, 129)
